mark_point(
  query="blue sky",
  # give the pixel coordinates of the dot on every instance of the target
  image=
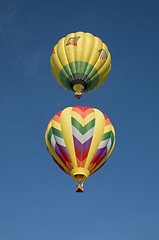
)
(37, 200)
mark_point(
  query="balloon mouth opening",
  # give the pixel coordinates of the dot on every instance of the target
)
(78, 85)
(80, 174)
(79, 177)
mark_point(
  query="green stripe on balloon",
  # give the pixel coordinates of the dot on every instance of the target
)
(108, 135)
(112, 137)
(50, 134)
(55, 132)
(79, 70)
(82, 129)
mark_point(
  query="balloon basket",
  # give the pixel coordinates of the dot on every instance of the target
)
(78, 95)
(79, 188)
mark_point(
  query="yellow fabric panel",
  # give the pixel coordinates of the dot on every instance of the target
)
(88, 42)
(62, 56)
(55, 59)
(97, 45)
(102, 77)
(56, 125)
(52, 152)
(105, 48)
(66, 128)
(69, 50)
(49, 125)
(105, 67)
(97, 136)
(85, 46)
(78, 51)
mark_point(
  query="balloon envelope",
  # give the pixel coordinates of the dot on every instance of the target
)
(80, 62)
(80, 140)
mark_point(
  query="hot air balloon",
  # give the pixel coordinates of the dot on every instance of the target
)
(80, 140)
(80, 62)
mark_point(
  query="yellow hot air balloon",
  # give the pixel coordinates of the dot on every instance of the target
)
(80, 140)
(80, 62)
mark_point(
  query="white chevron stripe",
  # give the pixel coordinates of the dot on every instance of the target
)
(53, 142)
(103, 143)
(82, 138)
(109, 145)
(60, 141)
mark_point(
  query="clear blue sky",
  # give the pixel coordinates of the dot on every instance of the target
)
(37, 200)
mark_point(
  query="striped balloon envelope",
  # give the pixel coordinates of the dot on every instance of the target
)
(80, 140)
(80, 62)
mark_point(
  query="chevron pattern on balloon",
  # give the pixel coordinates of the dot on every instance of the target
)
(57, 142)
(83, 124)
(105, 145)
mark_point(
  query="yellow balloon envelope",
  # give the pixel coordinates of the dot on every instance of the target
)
(80, 140)
(80, 62)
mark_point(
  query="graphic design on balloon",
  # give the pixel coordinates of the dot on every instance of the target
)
(80, 62)
(80, 140)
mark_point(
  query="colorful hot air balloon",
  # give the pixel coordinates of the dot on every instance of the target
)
(80, 62)
(80, 140)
